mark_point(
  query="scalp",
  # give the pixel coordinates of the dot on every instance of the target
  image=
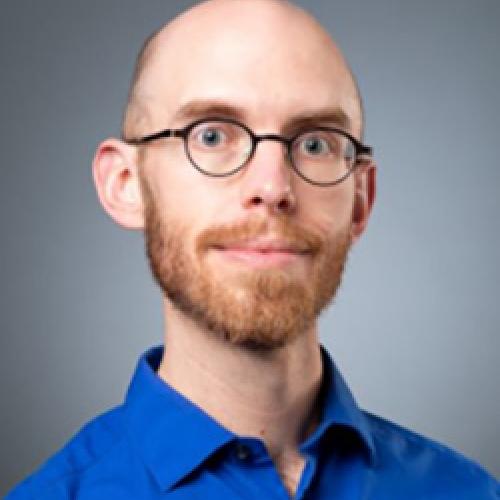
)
(279, 22)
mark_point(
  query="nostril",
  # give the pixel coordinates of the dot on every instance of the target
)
(256, 200)
(283, 205)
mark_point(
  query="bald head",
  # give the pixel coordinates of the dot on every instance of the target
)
(253, 38)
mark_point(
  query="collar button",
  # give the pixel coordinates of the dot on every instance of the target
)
(242, 452)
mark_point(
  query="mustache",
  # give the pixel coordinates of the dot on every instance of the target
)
(280, 229)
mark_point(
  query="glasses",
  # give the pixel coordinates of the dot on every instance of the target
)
(220, 147)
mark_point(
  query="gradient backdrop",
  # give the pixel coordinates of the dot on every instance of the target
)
(415, 328)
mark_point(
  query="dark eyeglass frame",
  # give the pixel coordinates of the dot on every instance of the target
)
(362, 151)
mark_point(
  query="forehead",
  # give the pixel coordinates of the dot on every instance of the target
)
(266, 65)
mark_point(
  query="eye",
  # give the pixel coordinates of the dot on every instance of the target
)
(320, 145)
(316, 144)
(210, 136)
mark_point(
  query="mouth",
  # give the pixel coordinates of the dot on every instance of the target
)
(263, 252)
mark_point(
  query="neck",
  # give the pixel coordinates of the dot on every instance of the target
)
(268, 395)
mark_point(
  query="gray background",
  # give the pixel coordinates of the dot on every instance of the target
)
(415, 327)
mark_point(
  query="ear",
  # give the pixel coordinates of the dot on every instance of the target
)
(116, 178)
(364, 197)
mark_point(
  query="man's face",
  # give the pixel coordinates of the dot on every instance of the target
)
(253, 257)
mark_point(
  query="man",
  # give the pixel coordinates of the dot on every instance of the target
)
(242, 160)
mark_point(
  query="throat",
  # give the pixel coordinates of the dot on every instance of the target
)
(290, 467)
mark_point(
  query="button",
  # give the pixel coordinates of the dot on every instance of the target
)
(242, 452)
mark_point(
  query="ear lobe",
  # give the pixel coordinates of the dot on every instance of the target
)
(364, 197)
(116, 179)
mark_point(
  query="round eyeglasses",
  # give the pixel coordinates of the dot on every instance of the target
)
(219, 147)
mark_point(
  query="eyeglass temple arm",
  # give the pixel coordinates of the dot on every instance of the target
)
(152, 137)
(364, 153)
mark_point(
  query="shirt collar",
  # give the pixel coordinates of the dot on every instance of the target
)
(174, 436)
(339, 409)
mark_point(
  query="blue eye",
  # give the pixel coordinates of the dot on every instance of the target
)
(211, 137)
(315, 146)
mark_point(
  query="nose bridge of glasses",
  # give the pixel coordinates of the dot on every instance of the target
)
(271, 137)
(270, 171)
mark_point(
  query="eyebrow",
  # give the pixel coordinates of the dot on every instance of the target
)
(193, 110)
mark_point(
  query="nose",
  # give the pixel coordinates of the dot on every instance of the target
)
(266, 182)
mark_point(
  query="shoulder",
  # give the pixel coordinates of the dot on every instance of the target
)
(427, 465)
(83, 454)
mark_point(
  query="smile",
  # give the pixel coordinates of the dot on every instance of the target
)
(263, 253)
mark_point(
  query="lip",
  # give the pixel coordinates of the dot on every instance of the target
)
(263, 252)
(264, 244)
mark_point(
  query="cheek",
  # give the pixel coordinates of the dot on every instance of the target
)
(177, 186)
(328, 210)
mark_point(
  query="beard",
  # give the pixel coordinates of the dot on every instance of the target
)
(259, 309)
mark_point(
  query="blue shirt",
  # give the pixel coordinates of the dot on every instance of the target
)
(159, 445)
